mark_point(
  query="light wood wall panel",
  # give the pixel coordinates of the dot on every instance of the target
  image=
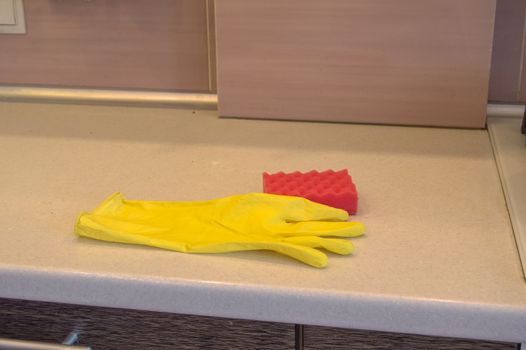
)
(507, 74)
(423, 62)
(160, 45)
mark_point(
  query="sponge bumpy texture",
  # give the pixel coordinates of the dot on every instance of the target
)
(333, 188)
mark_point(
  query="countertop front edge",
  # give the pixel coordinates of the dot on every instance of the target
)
(297, 306)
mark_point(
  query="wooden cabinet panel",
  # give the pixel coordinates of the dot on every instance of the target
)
(161, 45)
(326, 338)
(422, 62)
(107, 328)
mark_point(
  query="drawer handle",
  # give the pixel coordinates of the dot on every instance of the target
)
(15, 344)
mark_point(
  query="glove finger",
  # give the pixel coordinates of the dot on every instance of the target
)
(302, 253)
(301, 209)
(335, 245)
(320, 228)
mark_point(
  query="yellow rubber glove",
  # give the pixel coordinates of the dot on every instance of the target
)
(288, 225)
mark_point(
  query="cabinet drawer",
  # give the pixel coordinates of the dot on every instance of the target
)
(108, 328)
(325, 338)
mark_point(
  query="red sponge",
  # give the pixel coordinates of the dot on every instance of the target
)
(333, 188)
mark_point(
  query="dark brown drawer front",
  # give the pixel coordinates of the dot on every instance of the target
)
(325, 338)
(107, 328)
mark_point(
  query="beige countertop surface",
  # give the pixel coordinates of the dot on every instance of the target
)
(439, 256)
(510, 154)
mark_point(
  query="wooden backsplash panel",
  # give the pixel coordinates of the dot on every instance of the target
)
(423, 62)
(143, 44)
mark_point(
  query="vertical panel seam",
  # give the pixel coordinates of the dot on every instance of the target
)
(208, 43)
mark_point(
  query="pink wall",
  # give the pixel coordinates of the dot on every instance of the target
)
(508, 78)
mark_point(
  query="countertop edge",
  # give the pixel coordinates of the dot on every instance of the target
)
(381, 313)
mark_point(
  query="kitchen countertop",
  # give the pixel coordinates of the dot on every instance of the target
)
(439, 257)
(510, 151)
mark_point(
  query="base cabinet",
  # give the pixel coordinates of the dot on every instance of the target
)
(325, 338)
(110, 328)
